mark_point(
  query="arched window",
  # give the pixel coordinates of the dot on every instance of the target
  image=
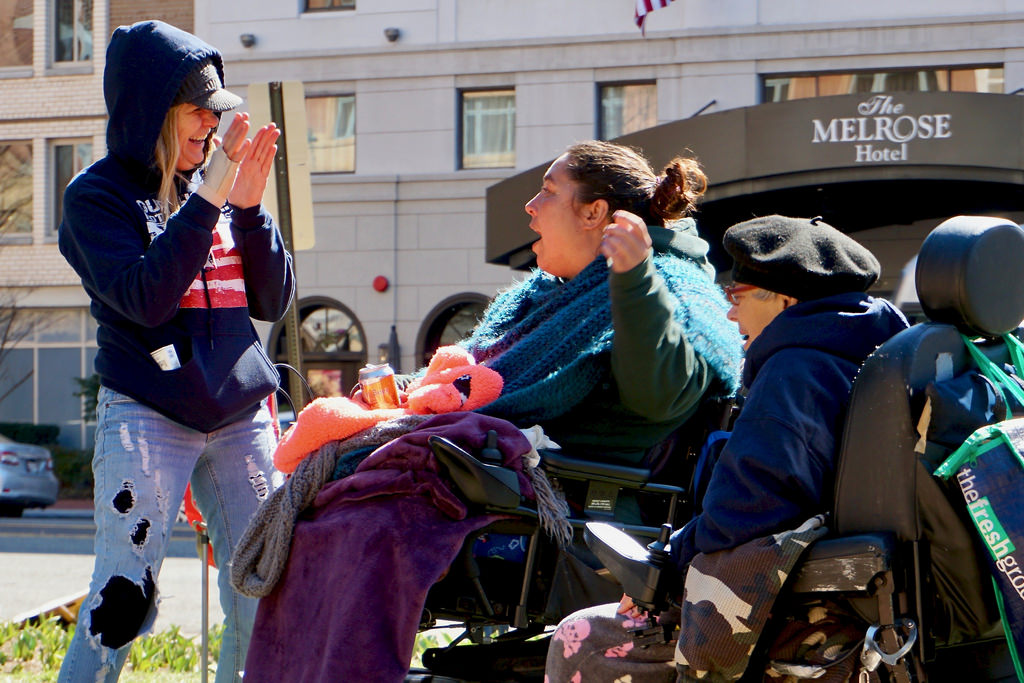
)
(451, 320)
(332, 344)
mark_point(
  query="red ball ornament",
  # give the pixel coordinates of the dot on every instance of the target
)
(380, 283)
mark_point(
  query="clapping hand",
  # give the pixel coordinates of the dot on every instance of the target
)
(255, 158)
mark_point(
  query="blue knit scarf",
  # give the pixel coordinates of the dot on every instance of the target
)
(551, 340)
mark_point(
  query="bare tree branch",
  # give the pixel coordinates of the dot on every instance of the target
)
(15, 326)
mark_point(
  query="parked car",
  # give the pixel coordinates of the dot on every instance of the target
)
(26, 477)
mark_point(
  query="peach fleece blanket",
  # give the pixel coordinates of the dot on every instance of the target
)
(452, 382)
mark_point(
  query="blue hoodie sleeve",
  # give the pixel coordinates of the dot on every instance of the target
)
(269, 274)
(104, 241)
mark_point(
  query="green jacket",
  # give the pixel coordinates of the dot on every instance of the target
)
(657, 379)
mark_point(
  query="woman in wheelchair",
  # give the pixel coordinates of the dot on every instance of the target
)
(610, 345)
(613, 342)
(799, 299)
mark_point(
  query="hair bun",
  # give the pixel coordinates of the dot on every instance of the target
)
(678, 188)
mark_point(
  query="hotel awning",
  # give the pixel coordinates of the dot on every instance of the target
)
(860, 161)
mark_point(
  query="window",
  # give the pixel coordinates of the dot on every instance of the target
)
(16, 28)
(626, 108)
(331, 343)
(72, 23)
(450, 321)
(331, 122)
(69, 157)
(489, 129)
(317, 5)
(962, 79)
(15, 188)
(47, 349)
(327, 330)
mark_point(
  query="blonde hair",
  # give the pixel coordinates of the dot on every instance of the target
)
(166, 155)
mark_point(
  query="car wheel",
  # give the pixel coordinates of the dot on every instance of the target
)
(11, 510)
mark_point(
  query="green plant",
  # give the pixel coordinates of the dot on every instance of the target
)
(88, 391)
(433, 638)
(172, 651)
(53, 643)
(214, 642)
(25, 432)
(33, 648)
(37, 651)
(73, 468)
(166, 650)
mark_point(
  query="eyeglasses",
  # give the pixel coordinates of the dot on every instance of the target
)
(732, 290)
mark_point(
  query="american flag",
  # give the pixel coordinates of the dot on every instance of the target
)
(643, 7)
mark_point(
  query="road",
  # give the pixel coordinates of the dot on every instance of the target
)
(47, 555)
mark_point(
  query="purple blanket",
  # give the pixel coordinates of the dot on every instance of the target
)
(364, 556)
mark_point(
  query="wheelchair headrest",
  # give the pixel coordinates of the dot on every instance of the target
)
(967, 273)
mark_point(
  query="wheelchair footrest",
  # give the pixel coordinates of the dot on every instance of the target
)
(845, 564)
(502, 660)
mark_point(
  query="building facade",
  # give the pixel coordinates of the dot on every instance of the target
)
(52, 124)
(428, 119)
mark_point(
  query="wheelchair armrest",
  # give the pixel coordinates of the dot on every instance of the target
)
(644, 572)
(559, 464)
(480, 484)
(844, 564)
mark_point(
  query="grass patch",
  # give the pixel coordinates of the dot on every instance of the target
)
(126, 677)
(438, 637)
(33, 653)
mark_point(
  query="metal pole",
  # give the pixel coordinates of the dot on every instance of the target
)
(205, 638)
(394, 350)
(284, 222)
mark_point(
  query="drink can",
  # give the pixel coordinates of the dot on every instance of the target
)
(377, 383)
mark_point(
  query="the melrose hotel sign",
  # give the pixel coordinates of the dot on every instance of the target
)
(882, 130)
(859, 132)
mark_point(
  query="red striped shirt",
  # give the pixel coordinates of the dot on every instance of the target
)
(225, 280)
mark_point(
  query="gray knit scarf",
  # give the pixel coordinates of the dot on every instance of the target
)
(262, 552)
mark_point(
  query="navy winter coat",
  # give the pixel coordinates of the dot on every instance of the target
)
(778, 465)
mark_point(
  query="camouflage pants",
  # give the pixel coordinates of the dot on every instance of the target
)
(594, 646)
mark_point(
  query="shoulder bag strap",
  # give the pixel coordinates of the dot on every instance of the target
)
(1016, 347)
(999, 378)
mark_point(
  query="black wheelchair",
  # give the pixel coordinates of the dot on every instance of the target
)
(503, 602)
(902, 553)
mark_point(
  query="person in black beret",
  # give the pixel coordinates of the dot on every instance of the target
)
(779, 261)
(799, 297)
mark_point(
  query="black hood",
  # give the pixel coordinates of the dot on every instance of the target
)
(848, 326)
(146, 64)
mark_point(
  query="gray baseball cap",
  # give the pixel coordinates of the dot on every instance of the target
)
(203, 88)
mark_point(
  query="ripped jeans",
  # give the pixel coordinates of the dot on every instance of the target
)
(141, 465)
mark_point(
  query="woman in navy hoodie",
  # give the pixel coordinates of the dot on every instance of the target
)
(177, 255)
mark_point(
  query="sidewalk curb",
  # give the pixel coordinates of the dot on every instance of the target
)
(81, 508)
(57, 513)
